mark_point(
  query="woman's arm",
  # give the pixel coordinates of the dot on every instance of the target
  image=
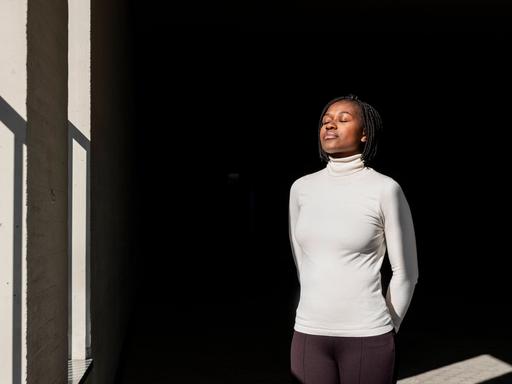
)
(401, 247)
(293, 214)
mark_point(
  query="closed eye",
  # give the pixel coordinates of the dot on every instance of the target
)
(341, 121)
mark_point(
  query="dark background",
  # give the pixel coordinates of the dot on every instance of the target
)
(227, 104)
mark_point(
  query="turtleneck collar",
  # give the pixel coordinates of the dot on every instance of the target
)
(344, 166)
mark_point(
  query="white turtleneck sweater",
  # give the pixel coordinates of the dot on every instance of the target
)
(342, 219)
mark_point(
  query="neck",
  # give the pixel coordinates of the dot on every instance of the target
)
(344, 166)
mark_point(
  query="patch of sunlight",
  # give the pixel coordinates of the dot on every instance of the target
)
(471, 371)
(77, 369)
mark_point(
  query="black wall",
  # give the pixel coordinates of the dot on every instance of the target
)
(219, 95)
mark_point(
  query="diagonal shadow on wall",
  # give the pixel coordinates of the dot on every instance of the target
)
(74, 135)
(18, 126)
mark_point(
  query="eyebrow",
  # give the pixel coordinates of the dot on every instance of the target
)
(328, 113)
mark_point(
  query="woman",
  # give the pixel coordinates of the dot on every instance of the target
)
(342, 219)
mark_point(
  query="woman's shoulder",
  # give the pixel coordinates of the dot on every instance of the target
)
(382, 180)
(305, 179)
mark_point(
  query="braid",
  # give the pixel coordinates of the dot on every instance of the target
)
(372, 126)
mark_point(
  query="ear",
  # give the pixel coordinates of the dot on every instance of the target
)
(364, 138)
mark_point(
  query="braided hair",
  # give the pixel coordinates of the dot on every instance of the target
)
(372, 126)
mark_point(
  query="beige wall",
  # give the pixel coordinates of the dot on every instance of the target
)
(13, 115)
(66, 120)
(79, 116)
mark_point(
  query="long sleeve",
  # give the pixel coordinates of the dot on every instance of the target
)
(293, 213)
(402, 253)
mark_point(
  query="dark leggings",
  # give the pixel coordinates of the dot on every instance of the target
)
(319, 359)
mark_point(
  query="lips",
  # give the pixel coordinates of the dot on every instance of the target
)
(328, 136)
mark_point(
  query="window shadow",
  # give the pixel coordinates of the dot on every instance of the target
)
(18, 126)
(75, 135)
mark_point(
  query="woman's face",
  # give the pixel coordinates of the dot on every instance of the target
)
(342, 133)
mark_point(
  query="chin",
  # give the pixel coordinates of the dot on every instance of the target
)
(333, 150)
